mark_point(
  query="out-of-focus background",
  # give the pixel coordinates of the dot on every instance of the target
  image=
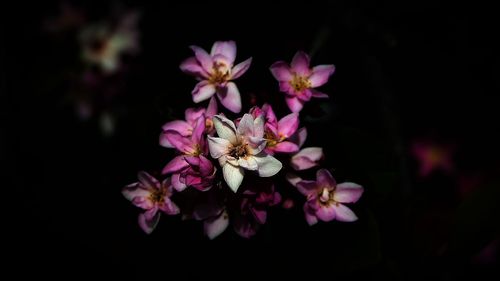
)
(412, 116)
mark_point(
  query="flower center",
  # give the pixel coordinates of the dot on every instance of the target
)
(239, 151)
(158, 195)
(197, 151)
(271, 139)
(325, 197)
(99, 46)
(209, 125)
(220, 73)
(300, 83)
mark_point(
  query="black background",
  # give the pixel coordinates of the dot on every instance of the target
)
(404, 71)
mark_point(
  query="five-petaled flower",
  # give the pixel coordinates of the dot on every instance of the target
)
(151, 195)
(215, 72)
(242, 148)
(298, 80)
(325, 198)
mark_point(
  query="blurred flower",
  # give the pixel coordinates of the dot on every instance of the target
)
(298, 80)
(307, 158)
(103, 45)
(215, 72)
(277, 132)
(242, 148)
(325, 198)
(70, 17)
(433, 156)
(150, 195)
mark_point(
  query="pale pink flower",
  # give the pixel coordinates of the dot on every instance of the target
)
(241, 149)
(185, 127)
(150, 195)
(307, 158)
(326, 198)
(298, 81)
(215, 71)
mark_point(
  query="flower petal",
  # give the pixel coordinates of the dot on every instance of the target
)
(225, 48)
(270, 116)
(245, 127)
(180, 126)
(203, 58)
(318, 94)
(293, 179)
(343, 213)
(300, 64)
(347, 192)
(307, 158)
(169, 207)
(181, 143)
(191, 66)
(294, 103)
(260, 215)
(211, 108)
(240, 68)
(135, 190)
(225, 128)
(268, 165)
(177, 184)
(309, 214)
(147, 180)
(326, 213)
(248, 163)
(149, 220)
(286, 147)
(192, 114)
(175, 165)
(230, 97)
(299, 137)
(320, 75)
(288, 124)
(202, 91)
(214, 227)
(306, 187)
(281, 71)
(325, 179)
(218, 146)
(233, 176)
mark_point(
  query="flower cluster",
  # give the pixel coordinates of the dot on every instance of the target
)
(224, 169)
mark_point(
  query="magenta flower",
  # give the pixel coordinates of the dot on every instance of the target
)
(241, 149)
(190, 168)
(185, 128)
(307, 158)
(325, 198)
(298, 80)
(150, 195)
(277, 133)
(216, 73)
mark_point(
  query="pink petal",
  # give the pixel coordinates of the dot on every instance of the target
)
(214, 227)
(343, 213)
(225, 128)
(307, 187)
(218, 146)
(192, 114)
(135, 190)
(149, 220)
(300, 64)
(192, 66)
(299, 137)
(180, 126)
(320, 75)
(307, 158)
(240, 68)
(206, 166)
(175, 165)
(225, 48)
(287, 88)
(202, 91)
(326, 213)
(203, 58)
(143, 202)
(325, 179)
(148, 181)
(230, 97)
(177, 184)
(211, 108)
(259, 215)
(318, 94)
(181, 143)
(270, 116)
(199, 131)
(293, 179)
(286, 147)
(288, 124)
(281, 71)
(294, 104)
(310, 216)
(305, 95)
(347, 192)
(169, 207)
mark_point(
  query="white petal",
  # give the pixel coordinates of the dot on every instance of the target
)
(225, 128)
(248, 163)
(268, 165)
(245, 127)
(233, 176)
(217, 146)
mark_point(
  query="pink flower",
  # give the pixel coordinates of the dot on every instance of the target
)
(298, 80)
(253, 205)
(185, 128)
(215, 72)
(277, 133)
(325, 198)
(150, 195)
(241, 149)
(307, 158)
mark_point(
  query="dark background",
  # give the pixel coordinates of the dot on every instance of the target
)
(404, 72)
